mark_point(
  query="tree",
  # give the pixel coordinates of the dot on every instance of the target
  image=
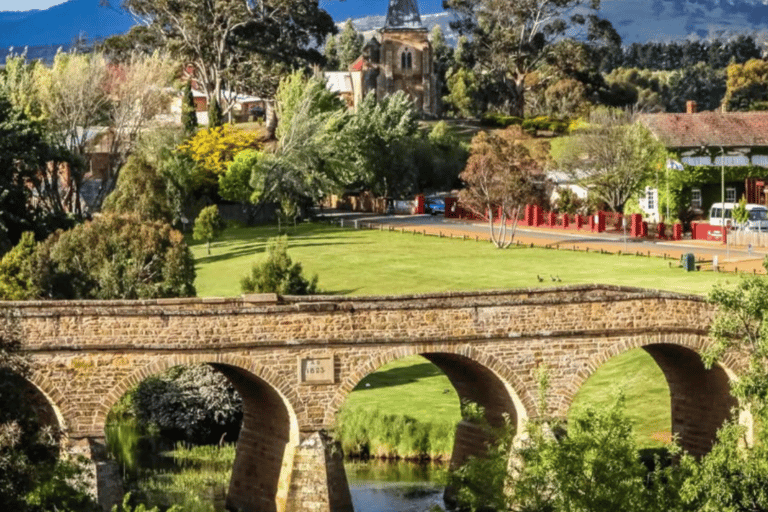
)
(511, 38)
(298, 169)
(196, 403)
(746, 86)
(499, 180)
(227, 42)
(592, 466)
(215, 116)
(114, 257)
(611, 156)
(331, 54)
(213, 148)
(208, 225)
(23, 151)
(278, 273)
(188, 110)
(732, 476)
(16, 281)
(350, 45)
(158, 183)
(80, 93)
(740, 326)
(462, 89)
(377, 141)
(701, 83)
(442, 58)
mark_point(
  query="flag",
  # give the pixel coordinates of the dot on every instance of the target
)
(674, 164)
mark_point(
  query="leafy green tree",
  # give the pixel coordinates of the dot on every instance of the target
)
(593, 466)
(378, 141)
(115, 257)
(331, 54)
(235, 184)
(462, 91)
(208, 225)
(611, 156)
(215, 116)
(299, 169)
(278, 273)
(194, 403)
(188, 110)
(740, 325)
(511, 38)
(701, 83)
(442, 58)
(16, 281)
(499, 181)
(350, 45)
(232, 44)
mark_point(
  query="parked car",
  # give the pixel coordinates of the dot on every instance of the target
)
(434, 205)
(722, 213)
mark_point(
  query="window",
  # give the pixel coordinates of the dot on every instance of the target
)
(651, 198)
(730, 195)
(406, 59)
(695, 198)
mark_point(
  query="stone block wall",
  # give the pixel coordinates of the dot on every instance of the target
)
(87, 354)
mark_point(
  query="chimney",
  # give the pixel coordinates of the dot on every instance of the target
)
(691, 107)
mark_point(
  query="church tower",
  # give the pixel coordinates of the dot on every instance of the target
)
(401, 60)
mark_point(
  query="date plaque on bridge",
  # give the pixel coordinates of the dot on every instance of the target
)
(316, 370)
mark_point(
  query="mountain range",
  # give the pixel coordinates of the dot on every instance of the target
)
(636, 21)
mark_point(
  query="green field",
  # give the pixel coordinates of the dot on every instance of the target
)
(364, 262)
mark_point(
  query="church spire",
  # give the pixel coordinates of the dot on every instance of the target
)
(403, 15)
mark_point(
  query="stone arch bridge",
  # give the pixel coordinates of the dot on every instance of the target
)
(294, 360)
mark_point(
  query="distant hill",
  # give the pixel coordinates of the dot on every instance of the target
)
(44, 31)
(61, 24)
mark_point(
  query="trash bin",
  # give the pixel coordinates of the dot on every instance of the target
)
(689, 262)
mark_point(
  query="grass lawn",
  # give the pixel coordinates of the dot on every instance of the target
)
(350, 262)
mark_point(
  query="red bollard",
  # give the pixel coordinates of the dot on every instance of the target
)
(565, 221)
(677, 231)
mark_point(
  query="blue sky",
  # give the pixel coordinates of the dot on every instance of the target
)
(339, 9)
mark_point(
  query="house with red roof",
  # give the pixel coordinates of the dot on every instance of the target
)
(726, 151)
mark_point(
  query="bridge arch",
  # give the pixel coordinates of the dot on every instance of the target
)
(53, 398)
(477, 376)
(269, 434)
(700, 399)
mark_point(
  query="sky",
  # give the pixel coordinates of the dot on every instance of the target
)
(339, 9)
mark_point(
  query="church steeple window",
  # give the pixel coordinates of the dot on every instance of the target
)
(406, 59)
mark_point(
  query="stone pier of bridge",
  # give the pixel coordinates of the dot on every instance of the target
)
(294, 361)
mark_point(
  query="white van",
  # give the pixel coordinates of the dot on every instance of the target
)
(722, 214)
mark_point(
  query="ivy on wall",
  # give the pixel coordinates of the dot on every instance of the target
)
(681, 183)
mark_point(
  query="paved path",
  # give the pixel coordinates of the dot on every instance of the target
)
(729, 258)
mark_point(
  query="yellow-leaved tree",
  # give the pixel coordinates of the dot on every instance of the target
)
(213, 149)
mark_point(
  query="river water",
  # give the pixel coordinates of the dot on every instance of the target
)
(396, 486)
(375, 485)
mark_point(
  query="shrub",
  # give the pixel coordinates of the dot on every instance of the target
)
(194, 403)
(115, 257)
(208, 225)
(278, 274)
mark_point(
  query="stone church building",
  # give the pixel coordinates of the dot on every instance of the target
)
(398, 59)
